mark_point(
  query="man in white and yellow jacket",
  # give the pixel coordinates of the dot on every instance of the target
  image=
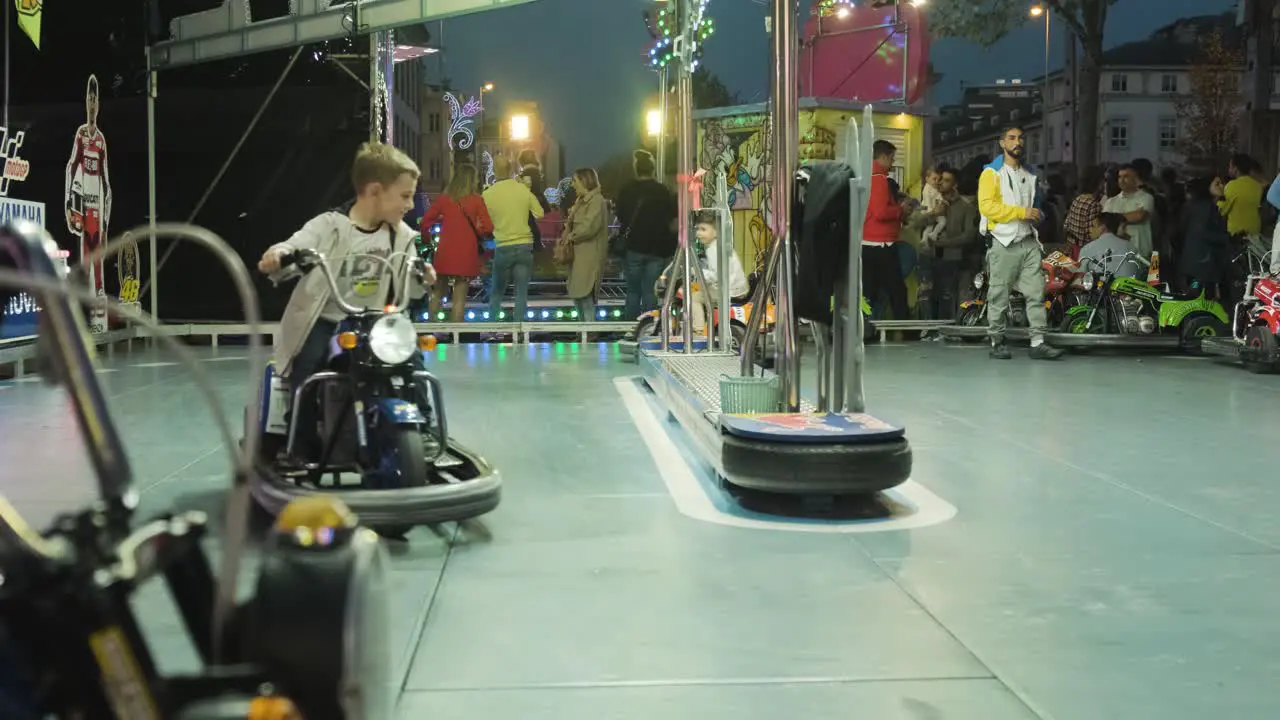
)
(1008, 202)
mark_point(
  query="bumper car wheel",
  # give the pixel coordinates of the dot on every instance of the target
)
(409, 457)
(1200, 325)
(1261, 346)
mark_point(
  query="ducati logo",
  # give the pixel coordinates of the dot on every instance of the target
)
(15, 168)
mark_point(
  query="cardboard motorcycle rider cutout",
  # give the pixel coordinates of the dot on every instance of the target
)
(88, 196)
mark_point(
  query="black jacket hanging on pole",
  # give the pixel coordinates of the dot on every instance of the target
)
(820, 233)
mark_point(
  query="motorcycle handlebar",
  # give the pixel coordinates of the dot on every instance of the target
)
(1101, 263)
(307, 260)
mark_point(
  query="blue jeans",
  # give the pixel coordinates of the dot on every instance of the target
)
(641, 272)
(511, 264)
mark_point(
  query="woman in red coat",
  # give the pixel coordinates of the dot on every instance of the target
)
(464, 221)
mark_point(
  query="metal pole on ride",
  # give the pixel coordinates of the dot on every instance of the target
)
(684, 159)
(724, 302)
(660, 162)
(786, 155)
(854, 352)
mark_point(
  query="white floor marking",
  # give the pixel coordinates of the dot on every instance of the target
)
(223, 359)
(154, 364)
(692, 501)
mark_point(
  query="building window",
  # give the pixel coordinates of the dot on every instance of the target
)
(1015, 114)
(435, 169)
(1119, 134)
(1168, 133)
(1050, 138)
(1035, 145)
(1168, 83)
(1119, 82)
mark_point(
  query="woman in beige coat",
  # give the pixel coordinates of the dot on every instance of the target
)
(587, 231)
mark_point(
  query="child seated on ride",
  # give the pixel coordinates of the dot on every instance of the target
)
(352, 239)
(1109, 247)
(705, 226)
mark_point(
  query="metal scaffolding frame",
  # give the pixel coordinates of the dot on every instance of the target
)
(840, 346)
(229, 31)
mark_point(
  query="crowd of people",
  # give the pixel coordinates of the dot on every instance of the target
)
(921, 251)
(998, 215)
(509, 212)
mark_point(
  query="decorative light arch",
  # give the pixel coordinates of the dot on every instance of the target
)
(462, 120)
(487, 160)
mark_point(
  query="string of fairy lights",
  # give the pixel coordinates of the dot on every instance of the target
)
(663, 24)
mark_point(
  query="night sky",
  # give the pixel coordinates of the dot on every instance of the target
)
(580, 60)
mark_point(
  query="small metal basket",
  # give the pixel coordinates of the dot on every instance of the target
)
(749, 395)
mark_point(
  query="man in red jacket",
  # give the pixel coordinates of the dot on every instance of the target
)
(881, 267)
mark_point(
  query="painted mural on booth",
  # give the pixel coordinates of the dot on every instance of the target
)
(737, 147)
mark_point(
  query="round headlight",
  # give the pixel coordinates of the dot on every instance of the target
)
(1087, 280)
(979, 280)
(392, 339)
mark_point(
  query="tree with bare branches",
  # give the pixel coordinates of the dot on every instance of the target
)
(988, 21)
(1211, 114)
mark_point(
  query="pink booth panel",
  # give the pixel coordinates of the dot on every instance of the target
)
(863, 56)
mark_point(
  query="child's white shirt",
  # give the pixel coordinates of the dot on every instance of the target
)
(930, 198)
(738, 285)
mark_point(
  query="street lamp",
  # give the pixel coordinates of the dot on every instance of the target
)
(519, 127)
(1037, 11)
(653, 123)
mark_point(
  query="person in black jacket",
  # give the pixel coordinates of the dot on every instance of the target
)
(531, 175)
(1205, 242)
(647, 213)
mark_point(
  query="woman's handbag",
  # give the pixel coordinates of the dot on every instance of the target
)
(618, 241)
(474, 229)
(563, 254)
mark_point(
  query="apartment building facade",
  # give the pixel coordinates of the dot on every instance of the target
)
(1141, 86)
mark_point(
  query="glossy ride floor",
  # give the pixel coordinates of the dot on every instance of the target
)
(1115, 554)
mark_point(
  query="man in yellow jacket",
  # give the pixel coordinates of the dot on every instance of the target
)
(1008, 203)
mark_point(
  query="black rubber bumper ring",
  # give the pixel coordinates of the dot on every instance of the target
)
(816, 468)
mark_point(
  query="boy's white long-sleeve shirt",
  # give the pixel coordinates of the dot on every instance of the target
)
(738, 285)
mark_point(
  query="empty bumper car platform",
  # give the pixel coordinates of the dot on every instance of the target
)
(754, 429)
(801, 453)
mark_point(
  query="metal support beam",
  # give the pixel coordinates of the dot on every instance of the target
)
(226, 165)
(226, 31)
(152, 264)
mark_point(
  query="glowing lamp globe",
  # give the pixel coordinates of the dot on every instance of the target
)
(520, 127)
(314, 512)
(653, 122)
